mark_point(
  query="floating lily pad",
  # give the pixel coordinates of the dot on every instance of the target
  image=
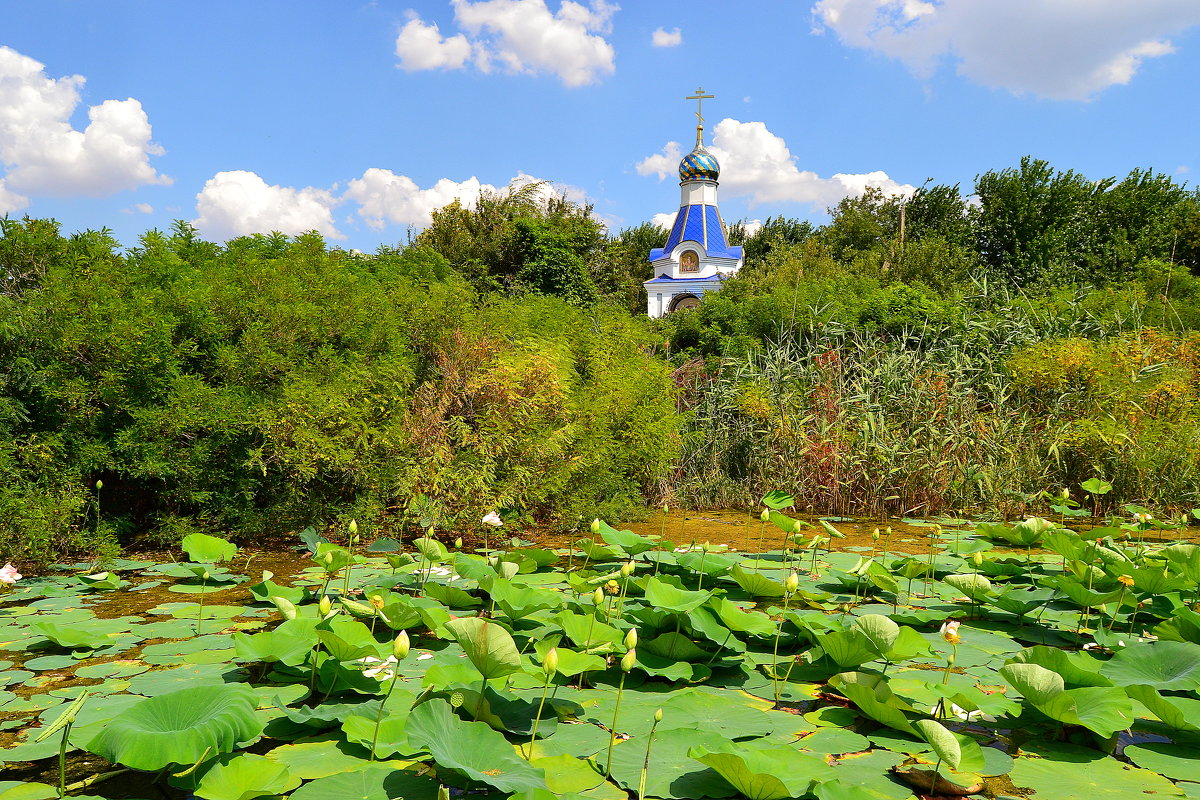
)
(370, 782)
(1073, 773)
(1178, 762)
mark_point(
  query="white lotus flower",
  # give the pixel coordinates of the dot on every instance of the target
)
(492, 519)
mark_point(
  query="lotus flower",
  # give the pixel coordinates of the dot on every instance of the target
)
(493, 520)
(950, 632)
(9, 574)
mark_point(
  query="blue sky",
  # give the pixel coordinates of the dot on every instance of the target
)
(358, 118)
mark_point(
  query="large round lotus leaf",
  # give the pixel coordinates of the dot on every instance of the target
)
(673, 774)
(177, 652)
(18, 790)
(1073, 773)
(489, 646)
(581, 740)
(167, 680)
(112, 669)
(191, 610)
(309, 760)
(245, 776)
(832, 741)
(566, 774)
(178, 727)
(1171, 666)
(44, 663)
(472, 748)
(371, 782)
(72, 637)
(1176, 761)
(209, 549)
(766, 774)
(869, 773)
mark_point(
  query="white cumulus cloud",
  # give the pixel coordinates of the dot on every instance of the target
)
(757, 164)
(420, 46)
(521, 36)
(11, 201)
(239, 202)
(664, 220)
(43, 154)
(1058, 49)
(384, 198)
(664, 38)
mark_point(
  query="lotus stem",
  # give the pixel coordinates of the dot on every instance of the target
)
(662, 535)
(549, 666)
(200, 612)
(641, 791)
(94, 779)
(479, 703)
(400, 647)
(790, 587)
(627, 663)
(62, 761)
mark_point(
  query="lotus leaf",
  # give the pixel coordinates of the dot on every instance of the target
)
(874, 698)
(1101, 710)
(1073, 773)
(179, 727)
(1170, 666)
(369, 782)
(209, 549)
(1177, 712)
(244, 776)
(629, 542)
(1175, 761)
(71, 637)
(766, 774)
(674, 775)
(756, 584)
(472, 748)
(489, 646)
(1075, 668)
(662, 595)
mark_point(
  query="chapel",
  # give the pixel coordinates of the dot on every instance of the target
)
(697, 258)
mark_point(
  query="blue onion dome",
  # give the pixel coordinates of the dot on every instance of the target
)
(699, 165)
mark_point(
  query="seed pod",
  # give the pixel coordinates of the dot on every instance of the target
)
(550, 662)
(628, 660)
(631, 639)
(400, 646)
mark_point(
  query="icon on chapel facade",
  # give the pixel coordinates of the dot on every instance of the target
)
(697, 258)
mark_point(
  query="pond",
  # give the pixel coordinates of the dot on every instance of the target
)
(1004, 660)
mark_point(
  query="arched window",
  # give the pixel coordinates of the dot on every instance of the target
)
(682, 301)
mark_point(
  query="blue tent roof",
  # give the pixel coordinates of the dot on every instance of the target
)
(698, 223)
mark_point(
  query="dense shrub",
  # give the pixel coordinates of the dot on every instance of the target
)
(272, 382)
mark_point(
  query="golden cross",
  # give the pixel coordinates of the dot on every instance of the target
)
(700, 97)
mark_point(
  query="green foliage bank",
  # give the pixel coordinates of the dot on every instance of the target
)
(270, 383)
